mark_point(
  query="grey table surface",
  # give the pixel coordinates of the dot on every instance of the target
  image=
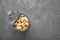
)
(44, 18)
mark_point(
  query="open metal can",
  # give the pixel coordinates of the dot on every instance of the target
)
(21, 23)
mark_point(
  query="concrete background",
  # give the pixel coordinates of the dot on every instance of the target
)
(44, 18)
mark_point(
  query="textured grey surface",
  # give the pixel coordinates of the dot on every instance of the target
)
(44, 18)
